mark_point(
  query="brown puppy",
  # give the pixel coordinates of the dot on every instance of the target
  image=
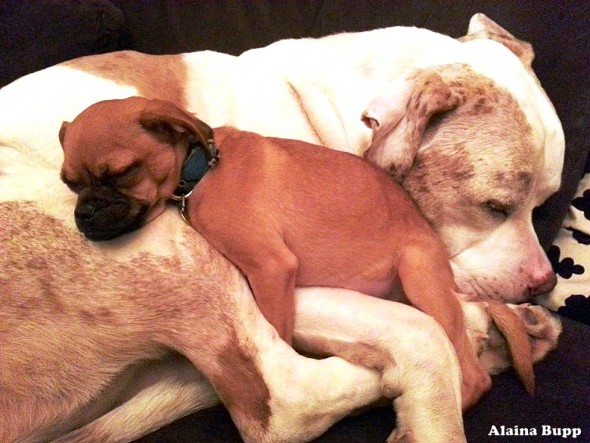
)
(286, 213)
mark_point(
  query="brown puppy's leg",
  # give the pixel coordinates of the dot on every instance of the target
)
(517, 340)
(427, 281)
(258, 249)
(272, 278)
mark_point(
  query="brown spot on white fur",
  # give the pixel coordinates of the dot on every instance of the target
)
(399, 117)
(162, 76)
(480, 151)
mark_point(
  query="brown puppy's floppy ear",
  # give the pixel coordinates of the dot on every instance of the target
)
(482, 27)
(400, 115)
(171, 124)
(62, 132)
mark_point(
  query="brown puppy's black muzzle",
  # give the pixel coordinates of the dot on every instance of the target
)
(103, 213)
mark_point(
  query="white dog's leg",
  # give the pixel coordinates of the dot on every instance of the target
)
(418, 364)
(161, 392)
(304, 396)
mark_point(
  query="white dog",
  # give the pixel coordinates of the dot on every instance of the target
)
(465, 125)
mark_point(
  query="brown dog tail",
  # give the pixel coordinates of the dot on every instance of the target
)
(512, 327)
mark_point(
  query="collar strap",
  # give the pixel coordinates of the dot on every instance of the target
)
(202, 156)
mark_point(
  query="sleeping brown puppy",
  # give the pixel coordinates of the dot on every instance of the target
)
(287, 214)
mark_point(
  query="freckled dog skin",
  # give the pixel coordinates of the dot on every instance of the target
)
(46, 318)
(285, 212)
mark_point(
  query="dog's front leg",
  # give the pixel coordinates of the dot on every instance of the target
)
(272, 279)
(417, 362)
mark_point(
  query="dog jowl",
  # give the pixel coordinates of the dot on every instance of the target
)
(103, 213)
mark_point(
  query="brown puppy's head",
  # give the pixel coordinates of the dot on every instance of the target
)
(123, 158)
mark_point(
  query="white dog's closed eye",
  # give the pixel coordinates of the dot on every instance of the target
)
(399, 116)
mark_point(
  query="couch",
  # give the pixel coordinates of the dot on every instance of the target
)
(38, 33)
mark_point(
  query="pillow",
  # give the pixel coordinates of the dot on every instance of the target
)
(570, 257)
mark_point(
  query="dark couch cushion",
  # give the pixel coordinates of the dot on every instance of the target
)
(230, 26)
(35, 34)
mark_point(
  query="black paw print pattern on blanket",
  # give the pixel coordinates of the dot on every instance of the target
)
(570, 257)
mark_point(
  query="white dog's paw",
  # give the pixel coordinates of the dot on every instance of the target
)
(543, 327)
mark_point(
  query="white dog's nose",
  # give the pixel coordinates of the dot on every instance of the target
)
(543, 284)
(540, 273)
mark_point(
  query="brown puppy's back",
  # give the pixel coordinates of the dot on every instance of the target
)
(330, 208)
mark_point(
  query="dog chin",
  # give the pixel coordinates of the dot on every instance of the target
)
(484, 288)
(107, 234)
(115, 229)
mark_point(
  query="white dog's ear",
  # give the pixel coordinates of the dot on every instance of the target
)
(62, 132)
(399, 116)
(480, 26)
(170, 123)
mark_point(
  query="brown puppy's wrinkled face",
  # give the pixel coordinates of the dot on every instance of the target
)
(480, 170)
(124, 162)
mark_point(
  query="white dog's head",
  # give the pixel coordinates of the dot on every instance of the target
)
(478, 145)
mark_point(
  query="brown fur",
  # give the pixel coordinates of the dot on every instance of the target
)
(297, 213)
(162, 76)
(404, 114)
(517, 338)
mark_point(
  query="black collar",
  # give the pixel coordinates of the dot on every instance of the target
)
(202, 156)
